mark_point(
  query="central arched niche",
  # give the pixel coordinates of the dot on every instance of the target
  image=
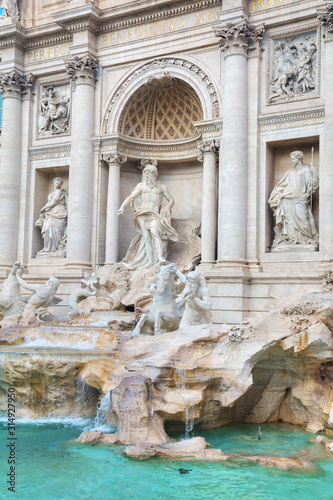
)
(162, 109)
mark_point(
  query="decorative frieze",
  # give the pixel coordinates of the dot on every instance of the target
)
(240, 38)
(290, 120)
(50, 152)
(82, 69)
(14, 84)
(293, 71)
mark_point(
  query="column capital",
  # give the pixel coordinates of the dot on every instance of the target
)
(15, 84)
(82, 70)
(240, 38)
(325, 17)
(113, 158)
(208, 146)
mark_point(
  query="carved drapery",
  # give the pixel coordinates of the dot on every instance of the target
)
(82, 69)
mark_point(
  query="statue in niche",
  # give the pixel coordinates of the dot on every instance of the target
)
(291, 202)
(294, 68)
(195, 301)
(42, 297)
(151, 220)
(54, 112)
(53, 222)
(9, 8)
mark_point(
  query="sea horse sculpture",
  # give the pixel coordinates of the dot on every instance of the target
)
(164, 312)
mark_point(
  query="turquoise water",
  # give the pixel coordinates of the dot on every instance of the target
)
(51, 465)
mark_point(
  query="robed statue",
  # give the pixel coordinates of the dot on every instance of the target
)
(151, 220)
(291, 202)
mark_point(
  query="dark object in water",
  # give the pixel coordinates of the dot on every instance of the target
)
(185, 471)
(259, 434)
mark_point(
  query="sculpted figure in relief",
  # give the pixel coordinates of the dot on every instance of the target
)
(53, 222)
(291, 202)
(10, 298)
(9, 8)
(54, 111)
(151, 220)
(195, 301)
(295, 68)
(43, 296)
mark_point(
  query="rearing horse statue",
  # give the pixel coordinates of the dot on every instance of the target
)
(164, 312)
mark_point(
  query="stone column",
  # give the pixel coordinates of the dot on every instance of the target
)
(325, 16)
(208, 150)
(82, 71)
(12, 87)
(236, 42)
(113, 160)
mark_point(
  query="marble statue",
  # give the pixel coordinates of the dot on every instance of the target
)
(82, 293)
(54, 112)
(164, 312)
(10, 299)
(53, 222)
(195, 300)
(291, 202)
(151, 220)
(9, 8)
(42, 297)
(294, 68)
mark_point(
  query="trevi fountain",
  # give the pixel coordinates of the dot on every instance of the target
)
(166, 249)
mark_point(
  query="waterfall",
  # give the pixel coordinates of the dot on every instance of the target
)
(103, 410)
(189, 424)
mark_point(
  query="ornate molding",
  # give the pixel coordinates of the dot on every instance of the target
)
(44, 41)
(50, 152)
(154, 14)
(82, 70)
(325, 17)
(162, 62)
(209, 146)
(14, 84)
(290, 120)
(113, 158)
(241, 38)
(151, 151)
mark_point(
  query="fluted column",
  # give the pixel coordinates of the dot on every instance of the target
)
(208, 154)
(236, 41)
(82, 71)
(12, 86)
(325, 16)
(114, 161)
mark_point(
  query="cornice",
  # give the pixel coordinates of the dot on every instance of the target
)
(50, 151)
(153, 14)
(289, 120)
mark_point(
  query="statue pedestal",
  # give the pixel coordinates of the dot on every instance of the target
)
(295, 248)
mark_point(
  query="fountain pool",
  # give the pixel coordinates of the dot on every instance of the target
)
(53, 466)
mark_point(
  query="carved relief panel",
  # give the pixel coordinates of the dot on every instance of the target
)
(54, 109)
(293, 65)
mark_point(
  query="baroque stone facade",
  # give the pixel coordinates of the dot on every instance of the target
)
(214, 94)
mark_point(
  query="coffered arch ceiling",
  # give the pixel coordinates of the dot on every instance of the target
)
(162, 109)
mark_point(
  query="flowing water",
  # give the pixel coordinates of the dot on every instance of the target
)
(53, 466)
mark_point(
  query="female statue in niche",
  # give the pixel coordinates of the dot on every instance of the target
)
(291, 202)
(53, 222)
